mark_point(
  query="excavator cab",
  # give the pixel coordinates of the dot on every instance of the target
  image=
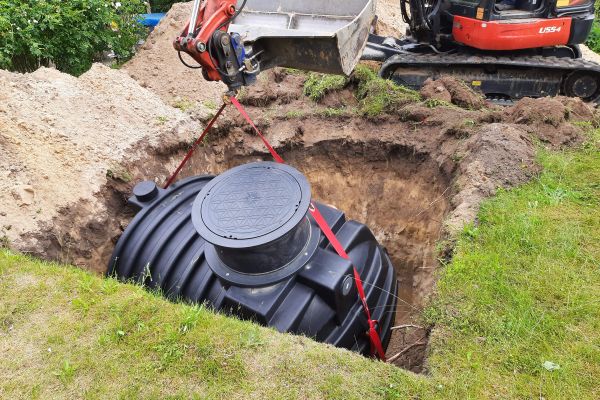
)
(508, 25)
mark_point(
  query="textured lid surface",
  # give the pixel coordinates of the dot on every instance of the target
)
(251, 205)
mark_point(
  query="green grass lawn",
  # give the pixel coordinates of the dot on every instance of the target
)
(517, 315)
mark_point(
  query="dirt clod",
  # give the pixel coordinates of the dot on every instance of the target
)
(269, 89)
(460, 94)
(435, 90)
(544, 111)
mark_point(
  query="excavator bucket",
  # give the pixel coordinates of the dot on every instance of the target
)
(326, 36)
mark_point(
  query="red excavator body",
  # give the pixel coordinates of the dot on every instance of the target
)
(507, 49)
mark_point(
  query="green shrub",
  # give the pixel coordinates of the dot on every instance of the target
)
(70, 34)
(593, 41)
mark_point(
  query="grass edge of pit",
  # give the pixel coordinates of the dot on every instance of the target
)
(499, 330)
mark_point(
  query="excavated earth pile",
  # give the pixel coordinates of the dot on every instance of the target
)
(72, 149)
(61, 140)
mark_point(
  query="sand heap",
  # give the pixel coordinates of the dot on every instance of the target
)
(62, 138)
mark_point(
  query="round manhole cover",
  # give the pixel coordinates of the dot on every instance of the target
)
(251, 205)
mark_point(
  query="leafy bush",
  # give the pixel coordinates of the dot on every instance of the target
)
(70, 34)
(593, 41)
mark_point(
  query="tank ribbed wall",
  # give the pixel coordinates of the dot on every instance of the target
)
(161, 248)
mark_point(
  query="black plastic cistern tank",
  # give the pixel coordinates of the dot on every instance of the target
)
(244, 243)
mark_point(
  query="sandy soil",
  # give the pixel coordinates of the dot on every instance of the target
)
(59, 138)
(390, 21)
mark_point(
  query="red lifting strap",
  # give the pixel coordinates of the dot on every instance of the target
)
(194, 146)
(376, 346)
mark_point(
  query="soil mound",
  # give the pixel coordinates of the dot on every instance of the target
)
(454, 91)
(157, 67)
(496, 156)
(62, 139)
(549, 118)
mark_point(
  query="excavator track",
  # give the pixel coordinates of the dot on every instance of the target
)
(501, 78)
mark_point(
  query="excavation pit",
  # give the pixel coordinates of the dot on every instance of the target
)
(410, 175)
(402, 197)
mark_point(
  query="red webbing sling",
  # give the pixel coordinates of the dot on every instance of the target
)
(190, 153)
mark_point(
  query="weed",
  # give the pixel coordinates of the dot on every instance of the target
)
(434, 103)
(4, 242)
(331, 112)
(161, 120)
(378, 95)
(242, 94)
(109, 286)
(191, 316)
(457, 157)
(293, 114)
(293, 71)
(66, 372)
(119, 173)
(210, 104)
(318, 85)
(252, 339)
(183, 104)
(169, 351)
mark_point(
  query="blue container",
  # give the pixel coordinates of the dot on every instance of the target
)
(151, 20)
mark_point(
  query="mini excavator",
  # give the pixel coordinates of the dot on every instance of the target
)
(507, 49)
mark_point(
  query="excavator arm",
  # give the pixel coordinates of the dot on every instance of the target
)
(232, 41)
(206, 39)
